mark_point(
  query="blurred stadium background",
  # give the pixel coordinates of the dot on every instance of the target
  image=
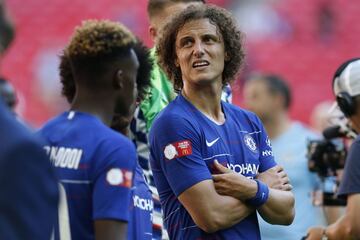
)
(302, 40)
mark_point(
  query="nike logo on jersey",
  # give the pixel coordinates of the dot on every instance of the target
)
(209, 144)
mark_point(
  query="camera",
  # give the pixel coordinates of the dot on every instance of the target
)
(326, 157)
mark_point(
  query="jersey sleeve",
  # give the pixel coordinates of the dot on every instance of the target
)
(267, 160)
(350, 182)
(113, 179)
(176, 150)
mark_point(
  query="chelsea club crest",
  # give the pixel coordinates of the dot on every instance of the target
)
(250, 142)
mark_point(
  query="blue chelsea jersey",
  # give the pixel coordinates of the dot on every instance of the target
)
(141, 210)
(95, 166)
(184, 144)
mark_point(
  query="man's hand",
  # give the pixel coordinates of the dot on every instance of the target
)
(276, 178)
(315, 233)
(232, 184)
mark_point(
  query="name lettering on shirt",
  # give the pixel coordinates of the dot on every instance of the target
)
(64, 157)
(143, 203)
(244, 169)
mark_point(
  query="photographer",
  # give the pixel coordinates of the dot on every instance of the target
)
(346, 86)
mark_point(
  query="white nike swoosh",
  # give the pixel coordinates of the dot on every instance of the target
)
(209, 144)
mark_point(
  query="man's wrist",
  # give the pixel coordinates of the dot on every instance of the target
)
(253, 189)
(261, 196)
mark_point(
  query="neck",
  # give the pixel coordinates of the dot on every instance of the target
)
(207, 99)
(277, 125)
(97, 104)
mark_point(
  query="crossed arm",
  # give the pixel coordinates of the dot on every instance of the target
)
(210, 210)
(220, 203)
(278, 209)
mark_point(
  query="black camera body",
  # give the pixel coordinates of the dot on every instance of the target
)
(326, 157)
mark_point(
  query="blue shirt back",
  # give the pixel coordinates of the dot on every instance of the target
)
(184, 144)
(95, 165)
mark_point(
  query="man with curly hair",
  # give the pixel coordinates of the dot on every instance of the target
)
(161, 94)
(197, 134)
(95, 164)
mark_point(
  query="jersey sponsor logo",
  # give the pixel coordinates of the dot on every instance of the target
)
(250, 142)
(209, 144)
(119, 177)
(143, 203)
(268, 142)
(64, 157)
(178, 149)
(267, 153)
(246, 168)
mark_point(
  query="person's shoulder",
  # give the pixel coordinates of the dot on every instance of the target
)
(302, 130)
(111, 139)
(52, 122)
(13, 133)
(174, 113)
(357, 139)
(355, 145)
(240, 112)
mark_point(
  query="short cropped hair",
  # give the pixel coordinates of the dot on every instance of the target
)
(276, 85)
(142, 80)
(6, 29)
(155, 7)
(226, 25)
(95, 45)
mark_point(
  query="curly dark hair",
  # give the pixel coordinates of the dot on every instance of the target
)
(144, 70)
(66, 78)
(142, 80)
(226, 25)
(94, 47)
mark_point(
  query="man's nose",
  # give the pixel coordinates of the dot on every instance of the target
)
(199, 50)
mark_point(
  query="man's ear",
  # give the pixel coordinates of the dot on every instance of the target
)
(153, 33)
(177, 62)
(118, 79)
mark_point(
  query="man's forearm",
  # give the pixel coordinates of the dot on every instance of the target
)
(210, 210)
(348, 226)
(231, 211)
(279, 208)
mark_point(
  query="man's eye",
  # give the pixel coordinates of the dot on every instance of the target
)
(186, 43)
(210, 39)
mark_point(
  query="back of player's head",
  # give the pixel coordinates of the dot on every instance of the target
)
(144, 71)
(226, 26)
(346, 86)
(142, 79)
(95, 47)
(155, 7)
